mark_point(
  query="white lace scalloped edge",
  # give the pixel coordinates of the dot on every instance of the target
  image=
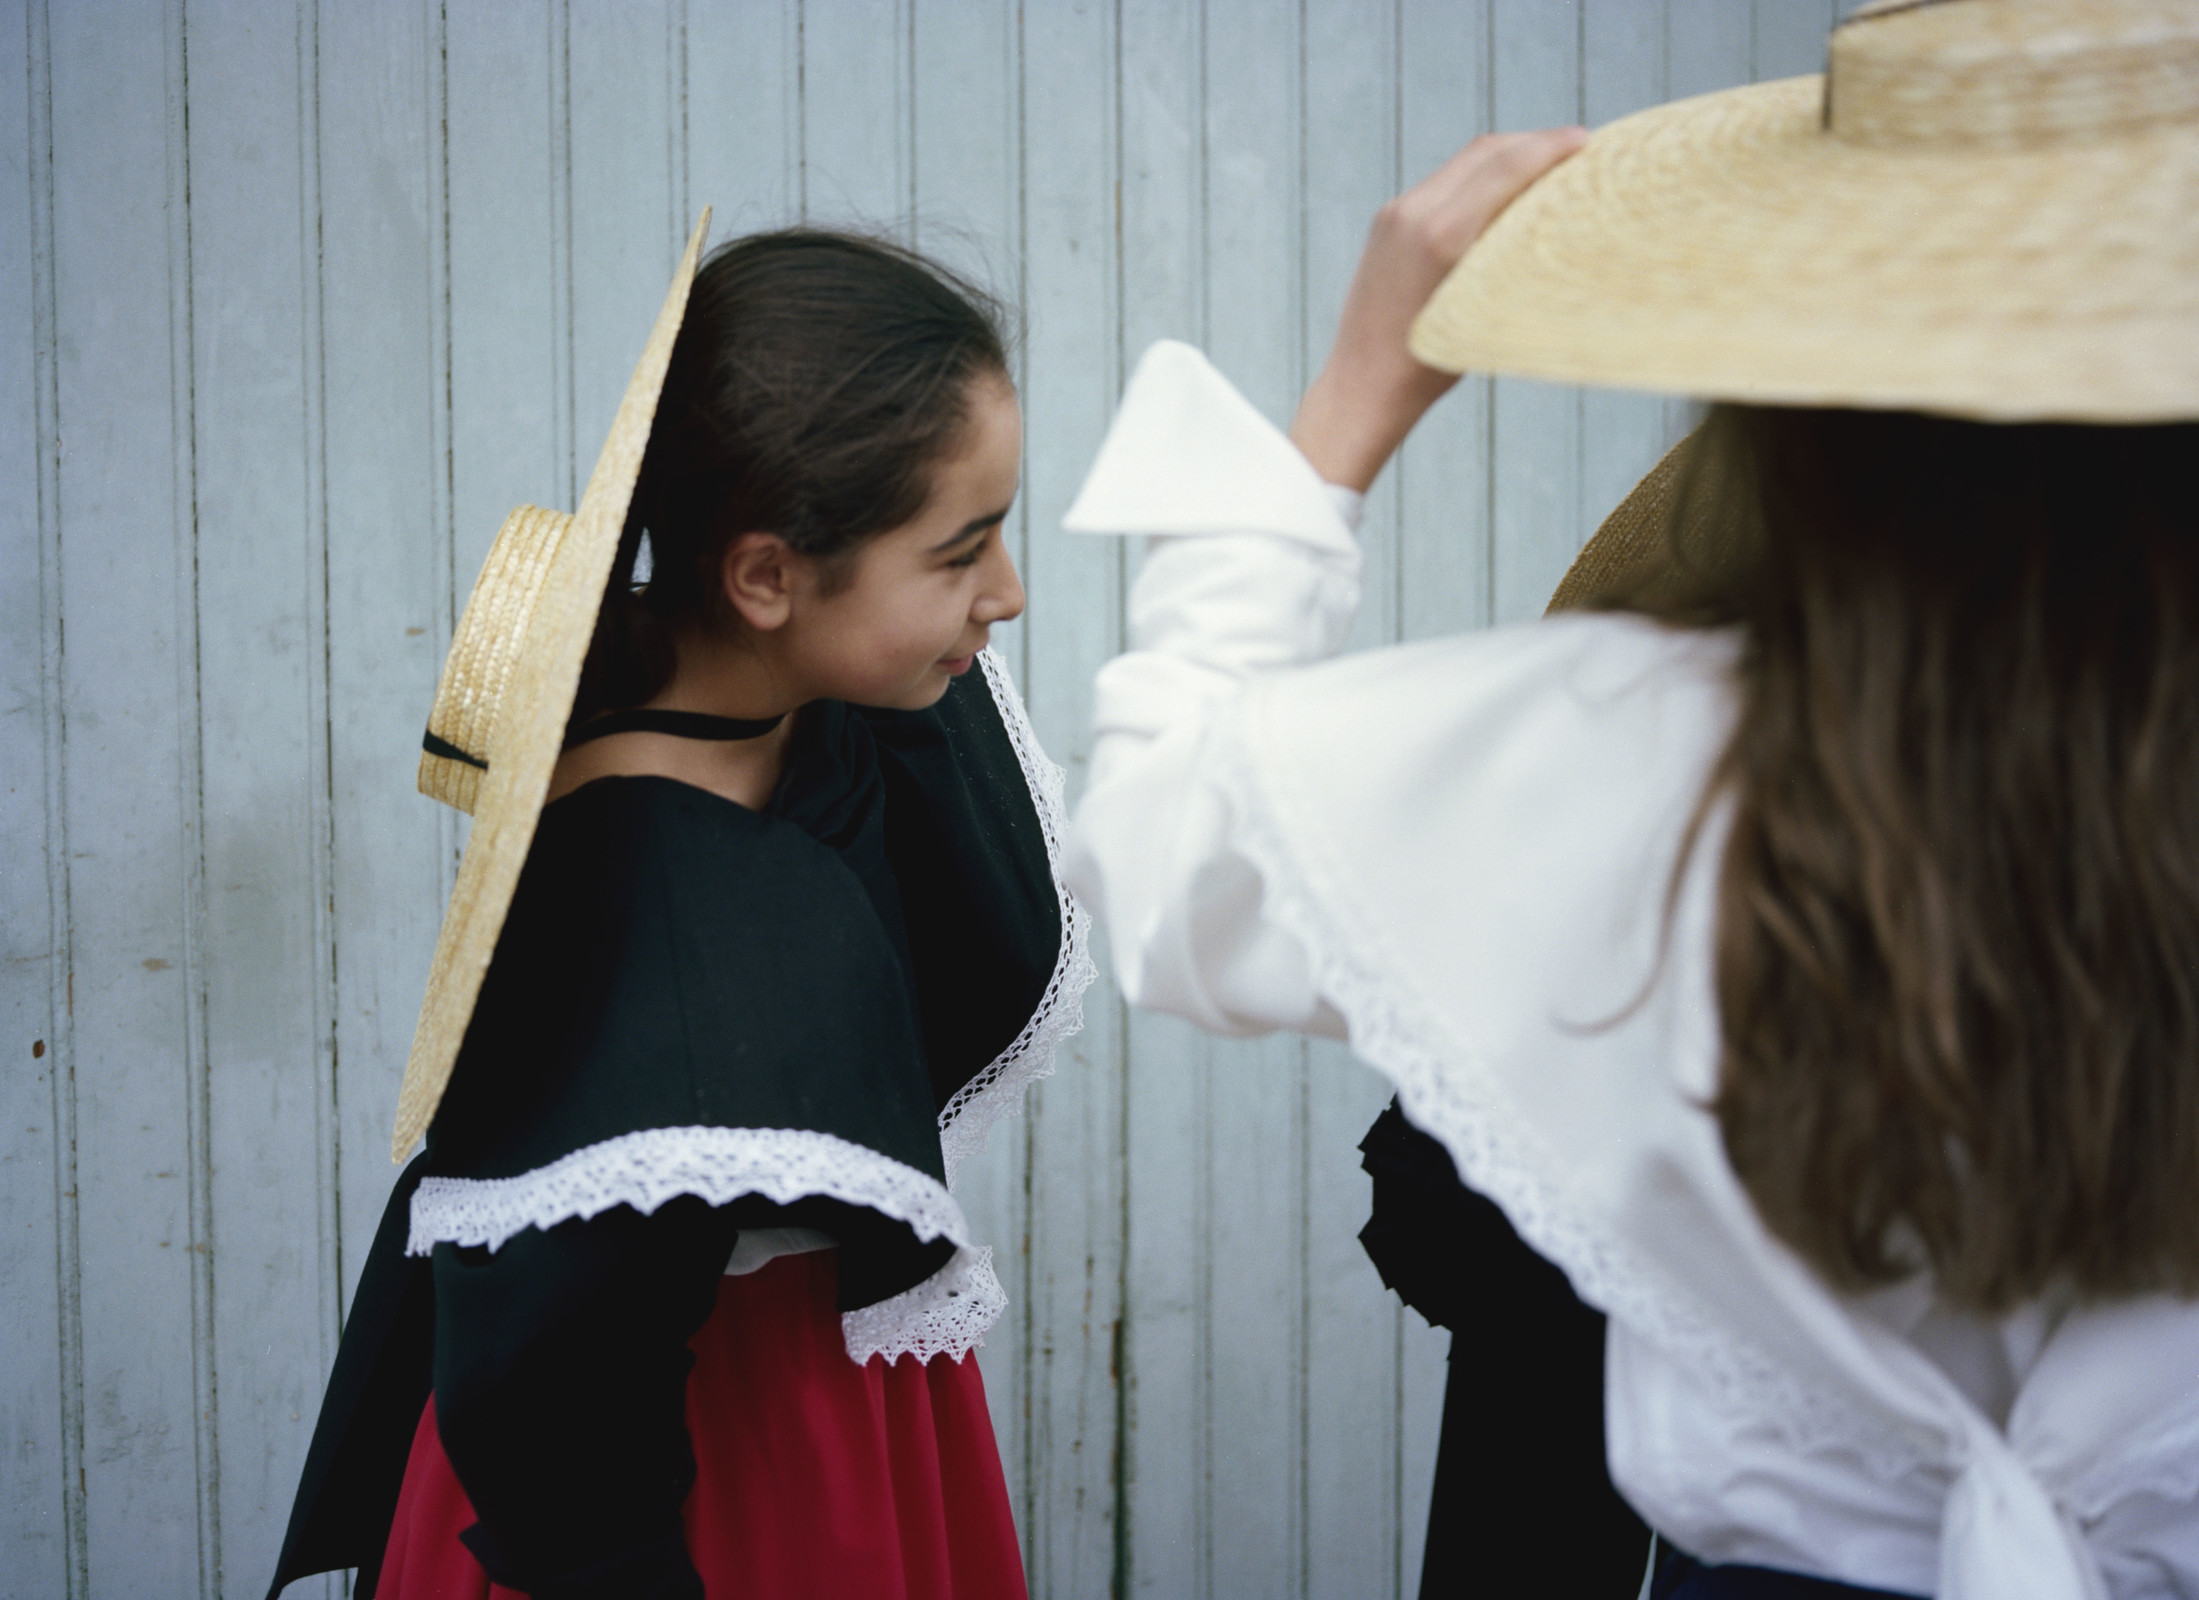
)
(645, 1169)
(998, 1091)
(948, 1314)
(1449, 1090)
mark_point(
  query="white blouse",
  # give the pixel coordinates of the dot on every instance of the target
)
(1457, 855)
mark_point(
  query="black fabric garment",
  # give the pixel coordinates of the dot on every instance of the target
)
(561, 1367)
(1679, 1576)
(356, 1463)
(977, 885)
(1520, 1465)
(843, 961)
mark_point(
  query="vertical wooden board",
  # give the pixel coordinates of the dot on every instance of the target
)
(123, 383)
(1256, 1293)
(743, 114)
(34, 1542)
(966, 215)
(1073, 1306)
(1350, 1404)
(962, 138)
(510, 301)
(1788, 37)
(1168, 1445)
(1622, 71)
(1167, 1464)
(1535, 502)
(626, 234)
(388, 563)
(855, 114)
(1707, 44)
(1442, 474)
(262, 734)
(1351, 73)
(1256, 1090)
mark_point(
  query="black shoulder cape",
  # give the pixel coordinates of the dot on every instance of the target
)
(778, 1012)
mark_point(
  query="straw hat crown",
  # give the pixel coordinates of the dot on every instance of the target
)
(1988, 208)
(492, 634)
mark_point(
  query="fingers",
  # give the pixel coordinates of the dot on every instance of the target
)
(1446, 211)
(1371, 391)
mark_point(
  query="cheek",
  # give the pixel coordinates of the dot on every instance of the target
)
(906, 637)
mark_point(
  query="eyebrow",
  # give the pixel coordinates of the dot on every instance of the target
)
(991, 519)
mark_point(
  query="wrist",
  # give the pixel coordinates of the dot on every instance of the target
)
(1350, 422)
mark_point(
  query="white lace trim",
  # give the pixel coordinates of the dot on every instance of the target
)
(1448, 1089)
(645, 1169)
(998, 1091)
(948, 1314)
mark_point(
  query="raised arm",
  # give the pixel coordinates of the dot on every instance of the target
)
(1251, 569)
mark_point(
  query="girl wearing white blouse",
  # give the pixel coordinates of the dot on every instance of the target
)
(1802, 946)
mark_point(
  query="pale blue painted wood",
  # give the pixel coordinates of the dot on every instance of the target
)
(262, 733)
(36, 1461)
(1255, 1095)
(743, 114)
(966, 170)
(389, 291)
(622, 56)
(510, 286)
(129, 704)
(1167, 1341)
(384, 345)
(1445, 58)
(856, 103)
(1352, 1536)
(1072, 1302)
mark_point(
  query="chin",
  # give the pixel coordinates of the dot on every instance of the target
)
(921, 695)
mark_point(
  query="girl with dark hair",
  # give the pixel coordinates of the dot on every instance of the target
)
(1799, 946)
(678, 1301)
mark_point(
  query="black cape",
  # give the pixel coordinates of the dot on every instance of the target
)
(1520, 1464)
(840, 964)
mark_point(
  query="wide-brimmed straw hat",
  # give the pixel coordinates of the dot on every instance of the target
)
(505, 697)
(1987, 208)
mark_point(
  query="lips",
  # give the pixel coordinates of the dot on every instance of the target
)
(957, 665)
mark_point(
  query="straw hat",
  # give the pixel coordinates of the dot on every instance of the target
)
(1988, 208)
(505, 697)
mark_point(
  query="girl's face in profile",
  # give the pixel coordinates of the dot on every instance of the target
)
(923, 597)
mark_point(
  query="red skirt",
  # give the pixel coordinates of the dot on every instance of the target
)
(814, 1477)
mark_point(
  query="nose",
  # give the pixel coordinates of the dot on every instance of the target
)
(1000, 597)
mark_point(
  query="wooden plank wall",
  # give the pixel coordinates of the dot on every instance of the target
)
(297, 297)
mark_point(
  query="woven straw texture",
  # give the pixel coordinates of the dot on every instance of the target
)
(490, 637)
(1633, 542)
(1988, 208)
(537, 599)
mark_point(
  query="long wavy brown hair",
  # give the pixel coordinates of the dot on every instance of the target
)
(1958, 926)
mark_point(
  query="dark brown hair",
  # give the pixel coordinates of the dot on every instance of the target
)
(817, 381)
(1958, 926)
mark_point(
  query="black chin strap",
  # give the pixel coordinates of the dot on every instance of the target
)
(679, 724)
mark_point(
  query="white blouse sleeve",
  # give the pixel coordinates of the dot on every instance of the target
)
(1251, 567)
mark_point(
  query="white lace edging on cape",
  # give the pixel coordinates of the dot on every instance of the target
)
(948, 1314)
(998, 1091)
(645, 1169)
(1448, 1089)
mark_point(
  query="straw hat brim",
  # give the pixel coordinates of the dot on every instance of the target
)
(531, 717)
(1730, 247)
(1633, 545)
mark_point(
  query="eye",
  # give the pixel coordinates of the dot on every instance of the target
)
(974, 554)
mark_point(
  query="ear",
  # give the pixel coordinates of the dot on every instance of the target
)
(759, 575)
